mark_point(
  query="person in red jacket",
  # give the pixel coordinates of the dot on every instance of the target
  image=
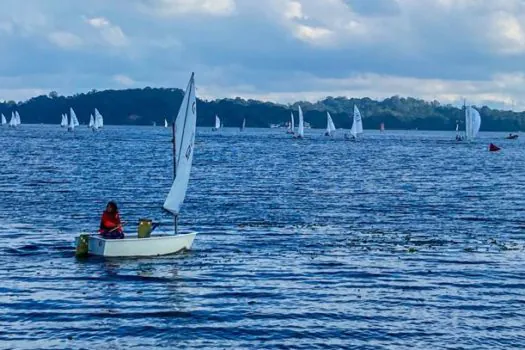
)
(110, 224)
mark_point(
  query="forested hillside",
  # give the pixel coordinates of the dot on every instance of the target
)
(148, 105)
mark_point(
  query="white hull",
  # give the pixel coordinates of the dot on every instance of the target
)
(133, 246)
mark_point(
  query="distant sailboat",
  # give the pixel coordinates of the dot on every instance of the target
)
(472, 123)
(4, 121)
(300, 128)
(243, 125)
(18, 120)
(165, 123)
(63, 122)
(73, 121)
(291, 127)
(12, 121)
(99, 120)
(382, 127)
(330, 127)
(357, 124)
(217, 123)
(91, 121)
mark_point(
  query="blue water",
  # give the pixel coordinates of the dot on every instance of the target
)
(403, 240)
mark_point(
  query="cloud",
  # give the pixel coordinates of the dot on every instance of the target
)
(123, 80)
(110, 33)
(168, 8)
(274, 49)
(65, 40)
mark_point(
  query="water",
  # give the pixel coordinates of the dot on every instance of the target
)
(402, 240)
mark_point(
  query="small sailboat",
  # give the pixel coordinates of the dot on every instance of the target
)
(357, 125)
(291, 126)
(243, 125)
(165, 123)
(91, 124)
(184, 139)
(13, 122)
(4, 121)
(330, 127)
(300, 127)
(18, 120)
(472, 123)
(63, 122)
(458, 135)
(99, 120)
(73, 121)
(382, 127)
(217, 123)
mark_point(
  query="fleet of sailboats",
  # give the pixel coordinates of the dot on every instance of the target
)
(15, 119)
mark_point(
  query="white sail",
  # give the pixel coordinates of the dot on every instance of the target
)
(73, 121)
(243, 124)
(330, 127)
(357, 124)
(292, 125)
(217, 122)
(18, 120)
(4, 121)
(165, 123)
(472, 122)
(63, 122)
(184, 139)
(12, 121)
(99, 120)
(91, 121)
(300, 128)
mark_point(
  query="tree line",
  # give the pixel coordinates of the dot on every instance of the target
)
(148, 105)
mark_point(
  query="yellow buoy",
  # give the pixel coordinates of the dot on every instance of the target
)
(145, 228)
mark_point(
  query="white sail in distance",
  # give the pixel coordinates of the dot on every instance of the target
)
(12, 121)
(300, 128)
(4, 121)
(99, 120)
(217, 122)
(185, 126)
(91, 121)
(330, 126)
(357, 124)
(472, 122)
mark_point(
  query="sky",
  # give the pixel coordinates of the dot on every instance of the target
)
(274, 50)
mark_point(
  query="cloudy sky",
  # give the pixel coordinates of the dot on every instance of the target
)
(277, 50)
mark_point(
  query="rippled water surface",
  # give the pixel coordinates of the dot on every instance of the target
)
(403, 240)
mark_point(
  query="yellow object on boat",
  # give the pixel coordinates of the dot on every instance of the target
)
(145, 228)
(82, 245)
